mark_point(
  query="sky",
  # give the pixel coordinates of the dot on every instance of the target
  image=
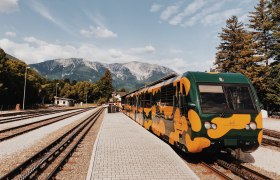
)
(179, 34)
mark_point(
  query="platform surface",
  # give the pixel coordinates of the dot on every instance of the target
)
(125, 150)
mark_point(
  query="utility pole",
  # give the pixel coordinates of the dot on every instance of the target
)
(23, 101)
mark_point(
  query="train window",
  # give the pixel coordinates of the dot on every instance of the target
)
(212, 99)
(239, 98)
(147, 103)
(156, 97)
(226, 98)
(169, 94)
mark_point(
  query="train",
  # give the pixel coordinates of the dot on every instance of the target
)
(200, 111)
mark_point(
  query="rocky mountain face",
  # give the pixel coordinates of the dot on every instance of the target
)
(129, 75)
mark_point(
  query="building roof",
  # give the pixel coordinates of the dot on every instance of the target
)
(62, 98)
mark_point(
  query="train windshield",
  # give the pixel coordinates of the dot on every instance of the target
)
(226, 98)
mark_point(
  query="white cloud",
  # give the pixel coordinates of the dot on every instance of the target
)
(142, 50)
(155, 8)
(114, 53)
(35, 41)
(169, 11)
(34, 50)
(7, 6)
(11, 34)
(98, 32)
(220, 17)
(45, 13)
(176, 51)
(190, 9)
(198, 18)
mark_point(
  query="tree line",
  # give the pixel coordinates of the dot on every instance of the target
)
(40, 90)
(253, 49)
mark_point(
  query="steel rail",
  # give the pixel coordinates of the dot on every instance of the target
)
(70, 152)
(216, 171)
(44, 121)
(43, 163)
(8, 120)
(241, 170)
(26, 112)
(271, 133)
(26, 116)
(24, 165)
(271, 142)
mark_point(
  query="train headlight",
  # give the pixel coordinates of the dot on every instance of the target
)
(247, 127)
(207, 125)
(253, 125)
(214, 126)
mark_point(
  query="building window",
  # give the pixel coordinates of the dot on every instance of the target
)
(63, 102)
(57, 102)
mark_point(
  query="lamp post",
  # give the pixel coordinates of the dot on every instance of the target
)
(56, 89)
(86, 100)
(27, 67)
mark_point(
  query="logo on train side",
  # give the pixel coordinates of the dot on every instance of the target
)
(221, 79)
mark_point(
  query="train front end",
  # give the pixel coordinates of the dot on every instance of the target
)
(229, 111)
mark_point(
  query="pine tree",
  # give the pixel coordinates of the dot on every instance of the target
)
(104, 87)
(273, 80)
(235, 52)
(273, 90)
(261, 26)
(261, 30)
(274, 10)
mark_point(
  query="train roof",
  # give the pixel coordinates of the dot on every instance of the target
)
(214, 77)
(200, 77)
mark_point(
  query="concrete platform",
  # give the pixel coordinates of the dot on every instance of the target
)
(125, 150)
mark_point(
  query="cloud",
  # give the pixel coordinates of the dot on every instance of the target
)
(143, 50)
(11, 34)
(34, 50)
(45, 13)
(155, 8)
(35, 41)
(8, 6)
(176, 51)
(98, 32)
(190, 9)
(220, 17)
(207, 13)
(169, 11)
(198, 18)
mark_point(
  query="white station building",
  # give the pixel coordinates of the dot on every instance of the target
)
(60, 101)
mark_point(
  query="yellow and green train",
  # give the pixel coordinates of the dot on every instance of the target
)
(199, 111)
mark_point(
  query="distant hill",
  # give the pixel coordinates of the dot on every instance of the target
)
(129, 75)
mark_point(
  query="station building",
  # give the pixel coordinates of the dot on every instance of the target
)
(60, 101)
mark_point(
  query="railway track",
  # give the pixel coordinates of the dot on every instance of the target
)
(18, 130)
(274, 140)
(25, 112)
(27, 116)
(221, 166)
(46, 163)
(241, 171)
(217, 172)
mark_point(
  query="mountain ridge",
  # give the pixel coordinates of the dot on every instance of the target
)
(130, 75)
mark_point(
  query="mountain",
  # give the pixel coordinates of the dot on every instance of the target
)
(129, 75)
